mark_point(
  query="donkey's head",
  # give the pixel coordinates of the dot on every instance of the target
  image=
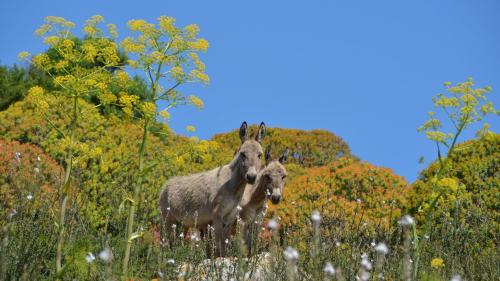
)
(274, 175)
(250, 152)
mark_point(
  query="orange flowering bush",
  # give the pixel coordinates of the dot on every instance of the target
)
(345, 192)
(26, 172)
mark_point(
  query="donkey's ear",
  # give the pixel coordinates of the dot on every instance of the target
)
(261, 133)
(268, 154)
(244, 132)
(284, 157)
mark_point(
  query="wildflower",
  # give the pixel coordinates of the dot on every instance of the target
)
(181, 235)
(90, 257)
(226, 241)
(23, 55)
(291, 254)
(177, 73)
(196, 101)
(316, 217)
(171, 261)
(456, 278)
(366, 264)
(358, 200)
(190, 128)
(195, 238)
(329, 270)
(272, 224)
(17, 156)
(363, 276)
(437, 262)
(239, 208)
(106, 255)
(174, 226)
(165, 114)
(406, 220)
(37, 170)
(160, 274)
(382, 248)
(29, 197)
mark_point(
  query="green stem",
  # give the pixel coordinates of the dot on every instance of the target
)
(133, 206)
(64, 190)
(432, 207)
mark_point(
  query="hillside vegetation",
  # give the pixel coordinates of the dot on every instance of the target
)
(85, 151)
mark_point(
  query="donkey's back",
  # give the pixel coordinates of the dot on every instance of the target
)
(189, 199)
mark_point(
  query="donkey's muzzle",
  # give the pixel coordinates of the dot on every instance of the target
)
(251, 178)
(275, 199)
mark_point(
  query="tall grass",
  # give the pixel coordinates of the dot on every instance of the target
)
(327, 251)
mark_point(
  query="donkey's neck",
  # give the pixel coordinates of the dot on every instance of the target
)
(231, 174)
(258, 195)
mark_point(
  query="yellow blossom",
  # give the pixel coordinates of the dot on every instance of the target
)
(167, 24)
(61, 64)
(23, 55)
(36, 90)
(448, 184)
(107, 98)
(165, 114)
(112, 30)
(199, 45)
(51, 40)
(437, 263)
(190, 128)
(177, 72)
(192, 30)
(43, 29)
(129, 45)
(198, 75)
(41, 60)
(196, 101)
(148, 108)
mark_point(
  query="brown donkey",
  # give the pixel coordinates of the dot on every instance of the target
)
(269, 185)
(212, 196)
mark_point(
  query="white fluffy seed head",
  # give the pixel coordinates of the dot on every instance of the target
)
(382, 248)
(456, 278)
(273, 224)
(329, 270)
(366, 264)
(90, 257)
(406, 220)
(106, 255)
(315, 217)
(291, 254)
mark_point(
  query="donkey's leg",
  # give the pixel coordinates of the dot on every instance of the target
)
(247, 236)
(168, 230)
(220, 249)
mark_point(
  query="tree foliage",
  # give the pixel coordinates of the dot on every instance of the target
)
(307, 148)
(470, 188)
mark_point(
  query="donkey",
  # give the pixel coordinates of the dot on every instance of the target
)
(269, 184)
(198, 199)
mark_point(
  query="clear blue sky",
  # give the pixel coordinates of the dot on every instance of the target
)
(365, 70)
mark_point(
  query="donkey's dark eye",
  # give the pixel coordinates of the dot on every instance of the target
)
(260, 155)
(284, 176)
(243, 156)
